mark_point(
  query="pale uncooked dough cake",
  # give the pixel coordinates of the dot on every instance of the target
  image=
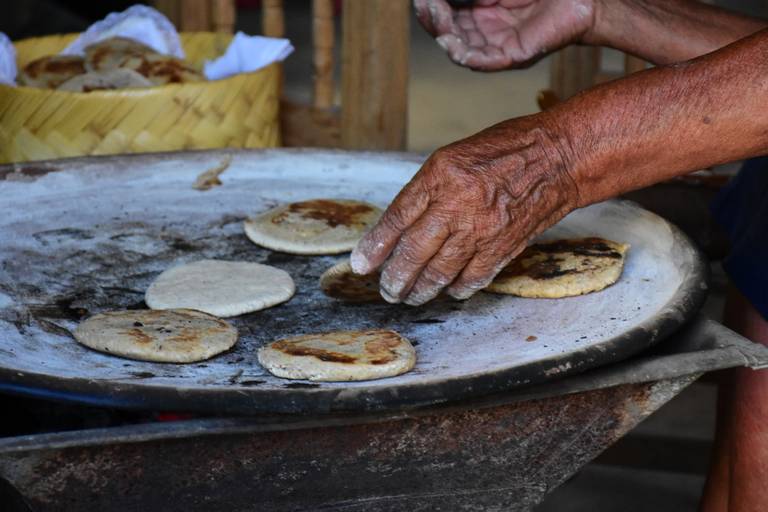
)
(317, 226)
(339, 356)
(169, 336)
(562, 268)
(341, 283)
(221, 288)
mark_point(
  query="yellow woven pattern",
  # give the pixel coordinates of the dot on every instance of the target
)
(241, 111)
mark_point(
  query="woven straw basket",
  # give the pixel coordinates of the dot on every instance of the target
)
(38, 124)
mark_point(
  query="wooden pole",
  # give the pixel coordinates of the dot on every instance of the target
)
(322, 35)
(374, 74)
(223, 16)
(273, 22)
(171, 8)
(195, 16)
(573, 70)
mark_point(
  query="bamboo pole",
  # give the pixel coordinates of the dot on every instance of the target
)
(375, 74)
(223, 16)
(322, 35)
(273, 22)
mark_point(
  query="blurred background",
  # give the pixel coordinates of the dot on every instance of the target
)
(445, 102)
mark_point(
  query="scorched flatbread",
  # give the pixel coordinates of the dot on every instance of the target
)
(317, 226)
(51, 71)
(169, 336)
(221, 288)
(105, 80)
(124, 53)
(562, 268)
(341, 283)
(339, 356)
(113, 52)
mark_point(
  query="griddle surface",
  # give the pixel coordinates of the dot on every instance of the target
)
(90, 236)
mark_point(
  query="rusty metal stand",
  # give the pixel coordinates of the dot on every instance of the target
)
(502, 452)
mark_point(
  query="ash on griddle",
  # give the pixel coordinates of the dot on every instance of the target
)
(183, 245)
(250, 382)
(61, 308)
(277, 258)
(301, 385)
(142, 375)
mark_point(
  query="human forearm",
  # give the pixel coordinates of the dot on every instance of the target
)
(665, 31)
(667, 121)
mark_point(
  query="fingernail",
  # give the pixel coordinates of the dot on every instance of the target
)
(387, 297)
(441, 42)
(359, 263)
(422, 297)
(461, 294)
(464, 58)
(468, 290)
(417, 299)
(465, 292)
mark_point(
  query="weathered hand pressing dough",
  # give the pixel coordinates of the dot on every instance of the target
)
(317, 226)
(169, 336)
(221, 288)
(341, 283)
(562, 268)
(339, 356)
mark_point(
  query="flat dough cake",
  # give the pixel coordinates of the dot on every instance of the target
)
(51, 71)
(105, 80)
(339, 356)
(124, 53)
(221, 288)
(169, 336)
(163, 69)
(341, 283)
(317, 226)
(562, 268)
(113, 52)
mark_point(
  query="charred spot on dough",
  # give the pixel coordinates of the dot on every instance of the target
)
(379, 350)
(138, 335)
(530, 264)
(582, 247)
(186, 337)
(295, 349)
(333, 213)
(354, 287)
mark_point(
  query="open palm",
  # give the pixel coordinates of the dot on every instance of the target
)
(502, 34)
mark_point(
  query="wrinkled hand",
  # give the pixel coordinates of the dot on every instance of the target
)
(468, 211)
(503, 34)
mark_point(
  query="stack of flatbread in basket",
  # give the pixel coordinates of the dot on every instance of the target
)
(114, 63)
